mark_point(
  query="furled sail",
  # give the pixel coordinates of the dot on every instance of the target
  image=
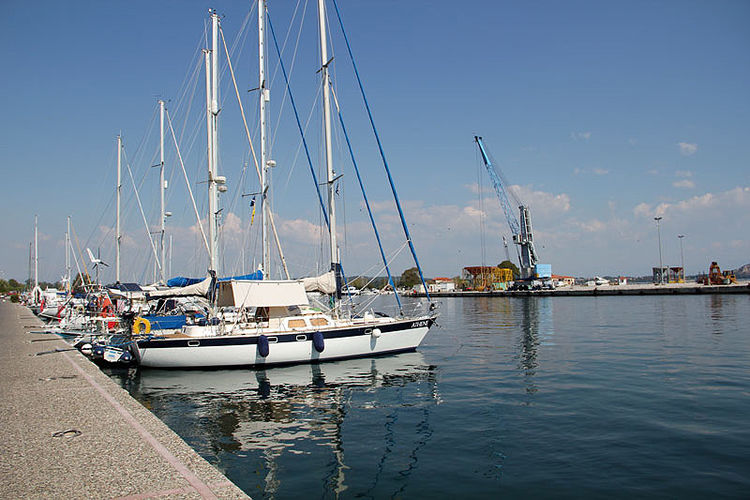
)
(325, 283)
(199, 289)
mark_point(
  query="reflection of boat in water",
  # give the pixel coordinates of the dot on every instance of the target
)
(362, 372)
(303, 415)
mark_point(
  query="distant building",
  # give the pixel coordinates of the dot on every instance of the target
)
(442, 285)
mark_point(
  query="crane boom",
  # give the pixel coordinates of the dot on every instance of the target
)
(515, 227)
(521, 230)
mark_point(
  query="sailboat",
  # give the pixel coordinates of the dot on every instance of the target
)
(273, 322)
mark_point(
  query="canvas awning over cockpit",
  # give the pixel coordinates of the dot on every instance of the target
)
(267, 293)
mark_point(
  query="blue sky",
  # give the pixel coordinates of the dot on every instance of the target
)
(603, 115)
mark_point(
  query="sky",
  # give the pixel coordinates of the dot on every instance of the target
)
(601, 116)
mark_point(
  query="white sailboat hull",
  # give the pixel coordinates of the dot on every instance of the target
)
(286, 348)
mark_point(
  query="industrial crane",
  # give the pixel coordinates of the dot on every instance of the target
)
(520, 230)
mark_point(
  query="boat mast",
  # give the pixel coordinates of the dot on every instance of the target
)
(212, 110)
(264, 98)
(209, 136)
(67, 257)
(331, 179)
(118, 236)
(36, 251)
(162, 187)
(214, 179)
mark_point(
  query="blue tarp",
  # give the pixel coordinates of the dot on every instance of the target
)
(181, 281)
(257, 275)
(167, 322)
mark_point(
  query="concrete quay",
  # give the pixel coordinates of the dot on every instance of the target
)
(604, 290)
(71, 432)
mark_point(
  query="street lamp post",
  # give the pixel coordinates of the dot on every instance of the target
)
(661, 264)
(682, 256)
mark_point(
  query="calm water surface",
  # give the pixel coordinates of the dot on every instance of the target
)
(535, 397)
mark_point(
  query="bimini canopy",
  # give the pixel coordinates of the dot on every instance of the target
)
(267, 293)
(199, 289)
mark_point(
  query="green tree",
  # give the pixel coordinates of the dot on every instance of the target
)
(409, 278)
(358, 283)
(78, 283)
(506, 264)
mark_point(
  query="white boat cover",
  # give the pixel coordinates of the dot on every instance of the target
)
(266, 293)
(200, 289)
(325, 283)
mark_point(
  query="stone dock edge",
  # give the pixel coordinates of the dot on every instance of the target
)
(72, 432)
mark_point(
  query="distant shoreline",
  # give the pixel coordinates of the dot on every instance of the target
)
(600, 290)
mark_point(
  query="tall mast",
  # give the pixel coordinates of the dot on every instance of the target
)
(264, 98)
(212, 95)
(209, 137)
(67, 257)
(335, 264)
(118, 235)
(162, 187)
(170, 255)
(36, 251)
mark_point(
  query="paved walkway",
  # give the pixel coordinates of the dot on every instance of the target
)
(71, 432)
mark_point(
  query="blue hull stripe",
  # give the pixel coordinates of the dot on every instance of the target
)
(157, 342)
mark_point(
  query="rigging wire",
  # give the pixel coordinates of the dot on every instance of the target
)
(382, 154)
(145, 222)
(299, 125)
(367, 202)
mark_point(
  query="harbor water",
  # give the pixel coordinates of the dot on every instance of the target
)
(564, 397)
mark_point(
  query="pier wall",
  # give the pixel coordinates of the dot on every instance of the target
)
(71, 432)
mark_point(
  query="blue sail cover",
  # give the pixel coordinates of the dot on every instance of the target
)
(181, 281)
(257, 275)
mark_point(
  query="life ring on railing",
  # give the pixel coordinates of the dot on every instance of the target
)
(141, 326)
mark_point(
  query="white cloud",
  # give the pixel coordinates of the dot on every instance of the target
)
(735, 200)
(684, 183)
(580, 136)
(683, 173)
(300, 230)
(542, 201)
(592, 226)
(600, 171)
(687, 148)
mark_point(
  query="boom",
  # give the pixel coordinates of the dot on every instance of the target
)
(521, 231)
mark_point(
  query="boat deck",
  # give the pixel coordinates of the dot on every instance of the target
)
(71, 432)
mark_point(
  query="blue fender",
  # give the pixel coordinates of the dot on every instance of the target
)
(263, 349)
(318, 341)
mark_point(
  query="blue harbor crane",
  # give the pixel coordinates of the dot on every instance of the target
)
(520, 228)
